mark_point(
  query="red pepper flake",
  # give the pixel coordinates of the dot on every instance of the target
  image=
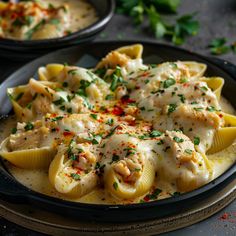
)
(220, 115)
(132, 122)
(229, 217)
(13, 16)
(146, 199)
(186, 85)
(118, 111)
(68, 133)
(146, 74)
(224, 216)
(127, 100)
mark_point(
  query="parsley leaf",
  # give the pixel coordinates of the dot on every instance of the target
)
(152, 9)
(178, 140)
(75, 176)
(218, 46)
(169, 82)
(196, 140)
(185, 26)
(29, 126)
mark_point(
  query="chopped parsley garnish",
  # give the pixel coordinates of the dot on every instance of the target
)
(94, 116)
(69, 98)
(62, 108)
(70, 153)
(130, 151)
(211, 109)
(98, 165)
(204, 88)
(13, 130)
(175, 194)
(29, 105)
(110, 121)
(183, 80)
(182, 98)
(87, 103)
(174, 65)
(153, 195)
(30, 32)
(198, 108)
(115, 158)
(155, 133)
(72, 72)
(65, 84)
(69, 110)
(75, 176)
(144, 136)
(160, 142)
(60, 101)
(100, 72)
(54, 21)
(196, 140)
(94, 138)
(111, 132)
(116, 79)
(19, 96)
(169, 82)
(171, 108)
(57, 118)
(188, 151)
(82, 89)
(109, 97)
(178, 140)
(29, 126)
(115, 185)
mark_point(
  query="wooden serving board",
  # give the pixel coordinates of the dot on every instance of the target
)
(54, 224)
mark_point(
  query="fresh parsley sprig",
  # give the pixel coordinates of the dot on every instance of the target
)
(219, 46)
(152, 9)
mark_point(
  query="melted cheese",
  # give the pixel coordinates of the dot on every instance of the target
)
(38, 179)
(121, 134)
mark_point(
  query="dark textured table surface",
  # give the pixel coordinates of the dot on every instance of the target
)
(217, 19)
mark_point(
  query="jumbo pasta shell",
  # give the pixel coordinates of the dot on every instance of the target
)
(223, 138)
(124, 190)
(196, 69)
(189, 181)
(133, 51)
(65, 184)
(50, 72)
(215, 84)
(229, 120)
(37, 158)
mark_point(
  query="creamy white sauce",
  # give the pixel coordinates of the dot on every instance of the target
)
(38, 179)
(70, 16)
(82, 12)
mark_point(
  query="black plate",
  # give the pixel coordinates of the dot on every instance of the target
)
(27, 49)
(86, 56)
